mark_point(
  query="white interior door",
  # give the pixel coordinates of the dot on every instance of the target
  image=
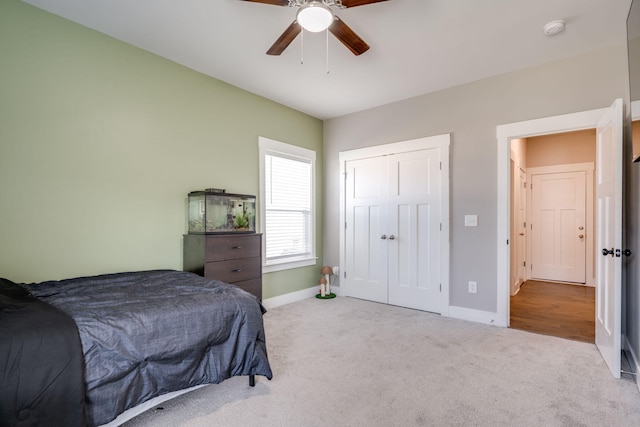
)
(414, 206)
(609, 236)
(365, 228)
(558, 221)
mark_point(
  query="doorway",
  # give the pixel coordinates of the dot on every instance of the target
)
(505, 135)
(552, 219)
(608, 227)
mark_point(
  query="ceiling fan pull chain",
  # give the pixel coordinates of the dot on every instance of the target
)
(302, 46)
(327, 40)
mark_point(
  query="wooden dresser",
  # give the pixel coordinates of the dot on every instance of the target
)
(230, 258)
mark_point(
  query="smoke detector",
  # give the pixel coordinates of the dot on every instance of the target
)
(554, 27)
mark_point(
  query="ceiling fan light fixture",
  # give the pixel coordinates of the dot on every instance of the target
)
(315, 16)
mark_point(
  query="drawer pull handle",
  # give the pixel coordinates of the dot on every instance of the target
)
(236, 270)
(237, 247)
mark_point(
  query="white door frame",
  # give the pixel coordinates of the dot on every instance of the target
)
(505, 133)
(438, 141)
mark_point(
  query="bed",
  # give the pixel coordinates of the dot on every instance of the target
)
(81, 351)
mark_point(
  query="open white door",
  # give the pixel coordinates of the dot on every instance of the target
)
(609, 236)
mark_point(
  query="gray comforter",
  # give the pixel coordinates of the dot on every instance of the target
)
(144, 334)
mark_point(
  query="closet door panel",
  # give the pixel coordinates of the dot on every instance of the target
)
(366, 224)
(414, 220)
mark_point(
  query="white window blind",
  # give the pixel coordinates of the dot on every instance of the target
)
(287, 205)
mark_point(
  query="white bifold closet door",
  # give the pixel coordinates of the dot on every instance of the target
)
(393, 229)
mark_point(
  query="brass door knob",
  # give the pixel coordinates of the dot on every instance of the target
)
(581, 236)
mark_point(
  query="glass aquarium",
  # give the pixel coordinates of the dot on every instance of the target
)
(217, 212)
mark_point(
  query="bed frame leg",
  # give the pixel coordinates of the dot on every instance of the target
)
(252, 380)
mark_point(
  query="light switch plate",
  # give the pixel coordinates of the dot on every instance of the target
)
(471, 220)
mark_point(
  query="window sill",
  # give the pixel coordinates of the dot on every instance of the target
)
(289, 264)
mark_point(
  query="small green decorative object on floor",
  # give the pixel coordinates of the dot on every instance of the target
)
(329, 296)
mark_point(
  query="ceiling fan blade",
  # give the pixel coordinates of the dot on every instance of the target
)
(354, 3)
(348, 37)
(285, 39)
(273, 2)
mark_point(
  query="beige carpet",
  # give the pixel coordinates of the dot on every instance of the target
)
(346, 362)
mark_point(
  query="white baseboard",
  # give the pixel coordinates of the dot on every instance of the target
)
(462, 313)
(294, 297)
(472, 315)
(634, 359)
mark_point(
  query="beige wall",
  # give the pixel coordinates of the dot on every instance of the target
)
(562, 148)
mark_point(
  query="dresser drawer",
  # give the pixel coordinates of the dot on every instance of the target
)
(253, 286)
(234, 270)
(230, 258)
(220, 248)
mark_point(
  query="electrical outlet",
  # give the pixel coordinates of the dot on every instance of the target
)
(473, 287)
(336, 270)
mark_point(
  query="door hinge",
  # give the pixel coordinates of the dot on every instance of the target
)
(524, 263)
(507, 241)
(345, 274)
(440, 226)
(440, 287)
(524, 224)
(440, 165)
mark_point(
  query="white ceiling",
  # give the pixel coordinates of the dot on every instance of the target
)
(417, 46)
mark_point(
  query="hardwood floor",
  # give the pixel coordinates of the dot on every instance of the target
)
(561, 310)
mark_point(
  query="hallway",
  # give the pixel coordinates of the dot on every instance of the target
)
(557, 309)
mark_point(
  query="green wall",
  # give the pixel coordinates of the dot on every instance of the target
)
(100, 142)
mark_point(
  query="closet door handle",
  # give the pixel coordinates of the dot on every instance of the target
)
(392, 237)
(383, 237)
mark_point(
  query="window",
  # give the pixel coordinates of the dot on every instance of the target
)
(287, 205)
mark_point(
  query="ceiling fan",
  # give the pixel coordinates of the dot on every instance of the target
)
(315, 16)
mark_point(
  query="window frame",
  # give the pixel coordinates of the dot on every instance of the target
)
(271, 147)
